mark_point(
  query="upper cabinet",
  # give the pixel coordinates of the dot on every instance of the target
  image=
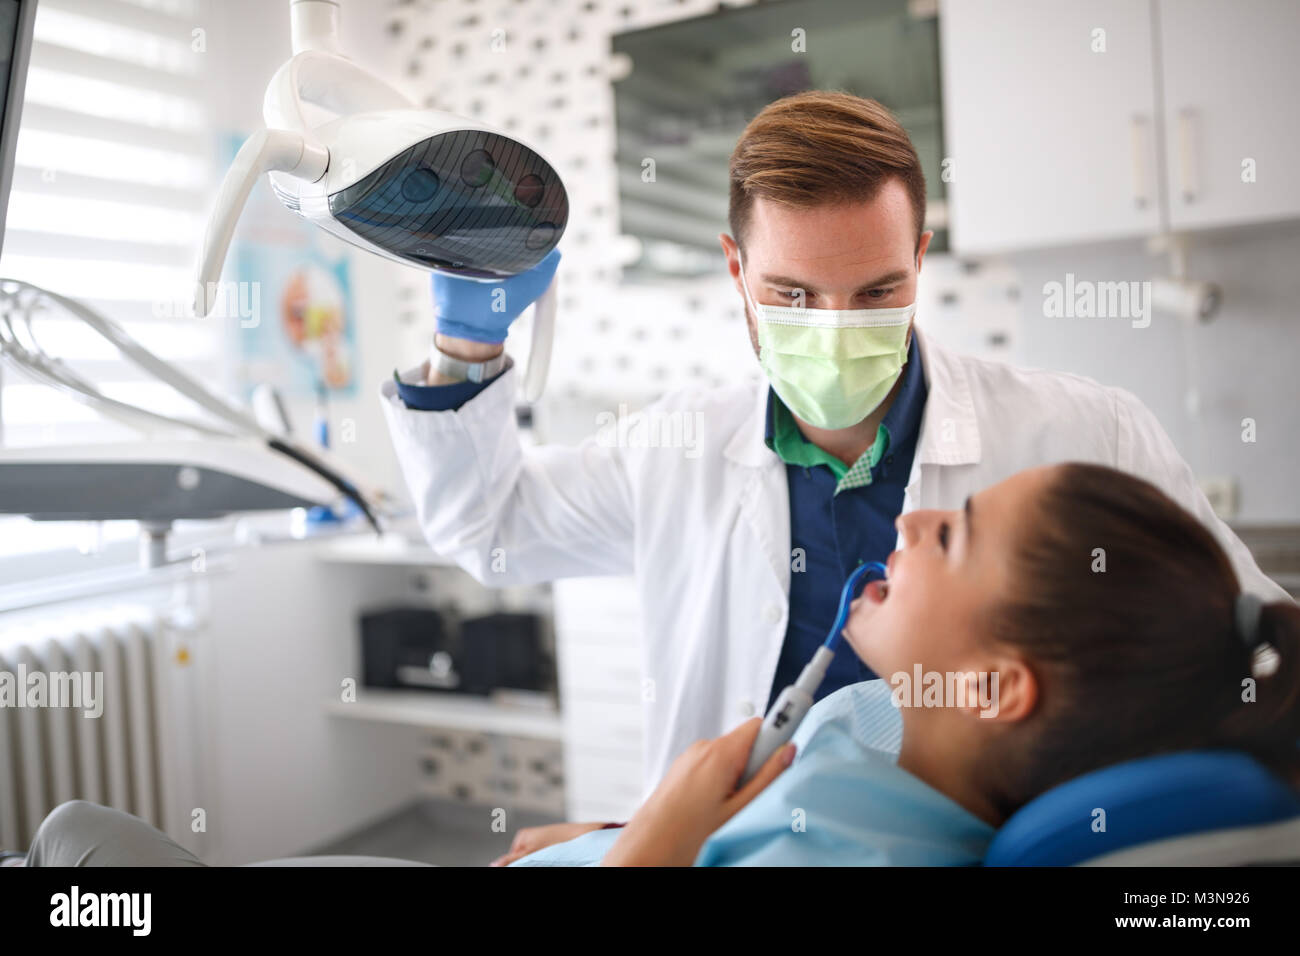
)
(1049, 142)
(1068, 122)
(1231, 76)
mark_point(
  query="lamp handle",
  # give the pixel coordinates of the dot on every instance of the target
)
(539, 350)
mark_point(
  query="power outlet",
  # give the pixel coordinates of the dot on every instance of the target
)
(1222, 495)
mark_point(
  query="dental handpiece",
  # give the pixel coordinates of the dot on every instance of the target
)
(793, 703)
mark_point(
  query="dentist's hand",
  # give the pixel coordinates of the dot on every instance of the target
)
(474, 311)
(696, 796)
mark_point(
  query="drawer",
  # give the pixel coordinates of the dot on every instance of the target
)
(601, 726)
(607, 781)
(600, 670)
(617, 634)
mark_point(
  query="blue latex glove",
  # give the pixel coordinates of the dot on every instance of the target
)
(470, 309)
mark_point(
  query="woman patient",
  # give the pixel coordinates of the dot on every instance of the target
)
(1098, 622)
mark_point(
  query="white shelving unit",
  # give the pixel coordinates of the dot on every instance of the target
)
(506, 750)
(598, 644)
(450, 712)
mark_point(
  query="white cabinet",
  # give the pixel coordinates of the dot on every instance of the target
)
(1231, 83)
(598, 646)
(1075, 122)
(1050, 142)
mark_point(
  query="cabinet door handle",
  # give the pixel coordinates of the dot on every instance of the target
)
(1138, 143)
(1187, 154)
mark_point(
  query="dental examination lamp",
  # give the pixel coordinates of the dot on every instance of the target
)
(421, 187)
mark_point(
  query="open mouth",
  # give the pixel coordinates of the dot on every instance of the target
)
(876, 591)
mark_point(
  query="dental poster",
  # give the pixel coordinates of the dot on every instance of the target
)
(289, 299)
(303, 333)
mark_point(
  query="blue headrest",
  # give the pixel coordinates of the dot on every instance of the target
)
(1153, 798)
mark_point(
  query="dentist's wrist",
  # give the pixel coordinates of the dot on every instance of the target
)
(467, 350)
(464, 350)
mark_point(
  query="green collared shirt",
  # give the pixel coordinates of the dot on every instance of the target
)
(793, 449)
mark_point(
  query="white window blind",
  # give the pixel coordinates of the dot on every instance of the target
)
(112, 175)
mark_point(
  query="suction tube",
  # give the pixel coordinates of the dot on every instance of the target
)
(795, 701)
(846, 598)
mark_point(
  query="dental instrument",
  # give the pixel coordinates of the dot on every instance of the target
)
(223, 466)
(421, 187)
(794, 702)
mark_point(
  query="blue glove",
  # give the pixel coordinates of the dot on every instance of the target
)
(483, 311)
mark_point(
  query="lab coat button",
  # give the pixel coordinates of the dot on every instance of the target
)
(746, 708)
(773, 613)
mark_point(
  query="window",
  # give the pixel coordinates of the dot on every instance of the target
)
(108, 203)
(112, 176)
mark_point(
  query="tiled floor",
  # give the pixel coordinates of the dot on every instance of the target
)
(438, 831)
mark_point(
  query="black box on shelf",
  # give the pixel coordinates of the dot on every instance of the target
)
(503, 650)
(417, 648)
(407, 647)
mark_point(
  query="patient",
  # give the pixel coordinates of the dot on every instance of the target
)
(1105, 619)
(1108, 626)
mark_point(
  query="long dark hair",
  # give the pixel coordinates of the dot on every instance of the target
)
(1125, 610)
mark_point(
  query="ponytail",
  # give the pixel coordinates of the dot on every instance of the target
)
(1268, 722)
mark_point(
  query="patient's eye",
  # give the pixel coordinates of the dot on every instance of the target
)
(943, 536)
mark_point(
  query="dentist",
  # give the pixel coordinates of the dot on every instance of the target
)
(740, 550)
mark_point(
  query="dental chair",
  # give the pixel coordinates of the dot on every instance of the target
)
(1192, 808)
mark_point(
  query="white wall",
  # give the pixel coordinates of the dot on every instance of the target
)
(1243, 363)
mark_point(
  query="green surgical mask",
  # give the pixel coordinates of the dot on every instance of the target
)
(831, 367)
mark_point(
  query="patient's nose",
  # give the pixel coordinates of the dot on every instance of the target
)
(915, 526)
(909, 527)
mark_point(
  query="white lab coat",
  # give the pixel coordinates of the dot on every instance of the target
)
(707, 535)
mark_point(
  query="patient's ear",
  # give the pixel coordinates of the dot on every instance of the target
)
(1005, 690)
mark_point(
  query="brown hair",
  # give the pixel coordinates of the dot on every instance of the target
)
(821, 146)
(1140, 658)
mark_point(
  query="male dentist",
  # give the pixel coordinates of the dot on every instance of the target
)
(740, 551)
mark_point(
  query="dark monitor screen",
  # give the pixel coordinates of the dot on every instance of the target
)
(8, 30)
(16, 18)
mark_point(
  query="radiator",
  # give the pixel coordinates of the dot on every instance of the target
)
(123, 757)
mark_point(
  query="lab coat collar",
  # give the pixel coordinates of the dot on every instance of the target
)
(748, 446)
(949, 431)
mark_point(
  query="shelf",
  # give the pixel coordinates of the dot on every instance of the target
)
(392, 549)
(449, 711)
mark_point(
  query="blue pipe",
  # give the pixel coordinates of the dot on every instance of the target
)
(846, 598)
